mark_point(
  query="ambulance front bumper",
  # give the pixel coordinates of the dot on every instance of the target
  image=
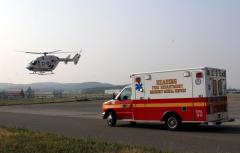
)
(103, 115)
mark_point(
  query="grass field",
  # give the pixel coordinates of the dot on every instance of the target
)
(232, 99)
(234, 105)
(66, 98)
(14, 140)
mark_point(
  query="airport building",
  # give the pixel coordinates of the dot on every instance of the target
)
(112, 91)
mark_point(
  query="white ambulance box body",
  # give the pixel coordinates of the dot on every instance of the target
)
(185, 83)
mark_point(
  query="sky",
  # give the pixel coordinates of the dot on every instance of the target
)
(119, 37)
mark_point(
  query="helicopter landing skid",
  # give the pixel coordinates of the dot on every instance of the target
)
(42, 73)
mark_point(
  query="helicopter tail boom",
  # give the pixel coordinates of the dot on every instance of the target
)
(75, 59)
(67, 59)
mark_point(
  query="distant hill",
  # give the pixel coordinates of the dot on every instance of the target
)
(50, 86)
(5, 85)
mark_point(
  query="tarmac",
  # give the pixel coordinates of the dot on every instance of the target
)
(83, 120)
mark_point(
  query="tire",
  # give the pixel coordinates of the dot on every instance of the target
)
(111, 119)
(172, 122)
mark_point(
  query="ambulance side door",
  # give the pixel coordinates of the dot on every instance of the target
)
(124, 103)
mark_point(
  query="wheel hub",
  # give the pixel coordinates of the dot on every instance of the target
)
(172, 123)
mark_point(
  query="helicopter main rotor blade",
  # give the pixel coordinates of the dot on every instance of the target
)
(33, 52)
(30, 52)
(53, 52)
(64, 52)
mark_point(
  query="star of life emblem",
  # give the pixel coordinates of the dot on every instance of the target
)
(138, 85)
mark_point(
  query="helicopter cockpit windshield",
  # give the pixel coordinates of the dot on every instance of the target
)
(34, 62)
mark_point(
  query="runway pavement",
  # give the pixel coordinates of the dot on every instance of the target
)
(83, 120)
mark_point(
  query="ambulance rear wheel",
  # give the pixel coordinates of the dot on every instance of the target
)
(111, 119)
(172, 122)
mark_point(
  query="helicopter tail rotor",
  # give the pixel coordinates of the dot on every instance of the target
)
(76, 58)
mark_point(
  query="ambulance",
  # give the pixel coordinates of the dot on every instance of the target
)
(172, 97)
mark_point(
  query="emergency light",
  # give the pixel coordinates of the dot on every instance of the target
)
(199, 75)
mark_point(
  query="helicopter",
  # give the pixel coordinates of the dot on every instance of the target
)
(45, 64)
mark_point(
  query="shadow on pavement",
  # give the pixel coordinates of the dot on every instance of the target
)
(224, 129)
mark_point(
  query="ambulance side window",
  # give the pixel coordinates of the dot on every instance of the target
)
(126, 94)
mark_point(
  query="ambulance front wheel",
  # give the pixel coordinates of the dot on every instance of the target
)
(111, 119)
(172, 122)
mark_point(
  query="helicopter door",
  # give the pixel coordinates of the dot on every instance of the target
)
(42, 63)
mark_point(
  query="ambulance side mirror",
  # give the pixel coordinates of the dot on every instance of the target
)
(114, 96)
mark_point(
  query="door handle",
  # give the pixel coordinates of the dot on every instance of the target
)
(124, 106)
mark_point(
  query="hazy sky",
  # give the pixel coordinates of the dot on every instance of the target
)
(119, 37)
